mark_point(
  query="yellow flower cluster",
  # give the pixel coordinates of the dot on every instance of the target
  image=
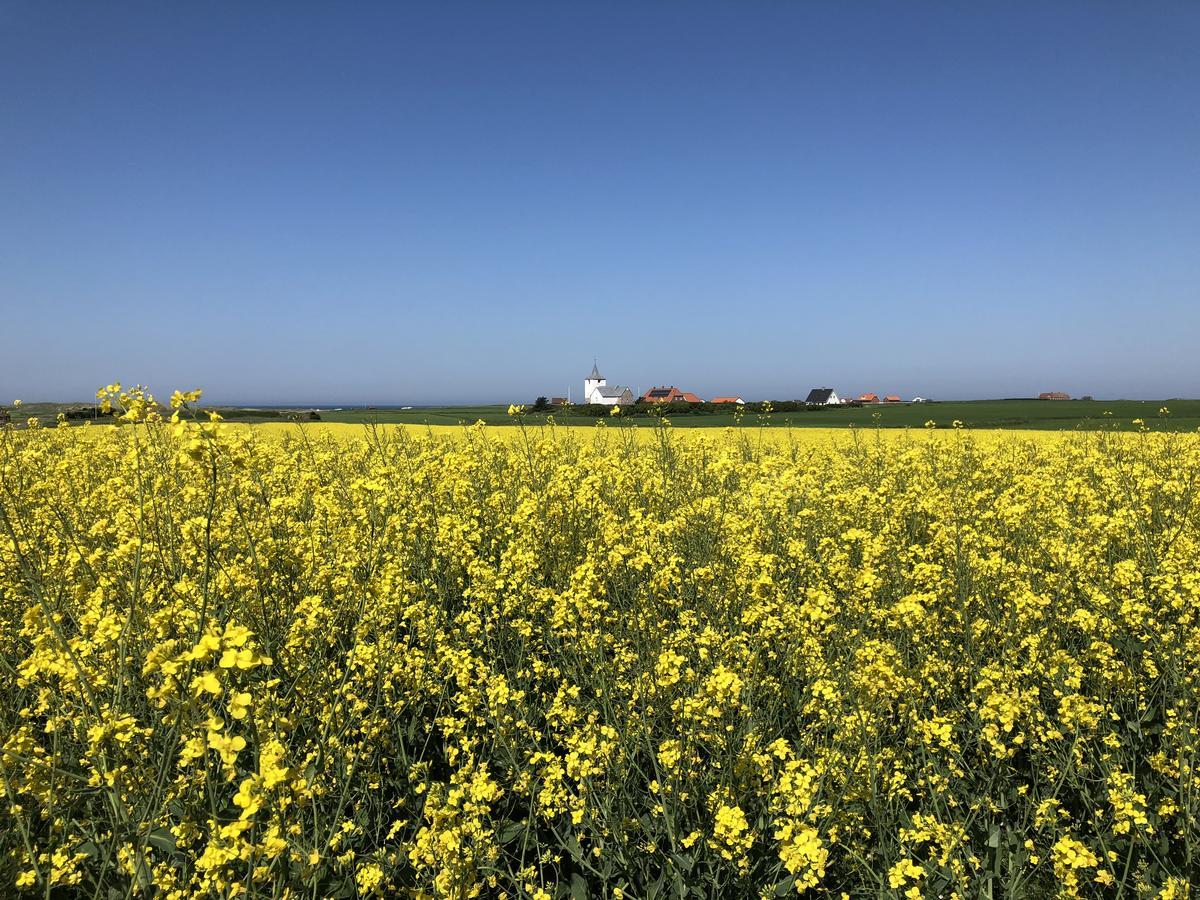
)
(597, 663)
(731, 836)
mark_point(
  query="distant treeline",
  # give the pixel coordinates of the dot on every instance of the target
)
(235, 414)
(86, 412)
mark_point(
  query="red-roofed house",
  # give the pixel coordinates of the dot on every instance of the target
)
(670, 394)
(868, 398)
(737, 400)
(891, 398)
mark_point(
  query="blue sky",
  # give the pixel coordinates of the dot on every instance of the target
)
(466, 202)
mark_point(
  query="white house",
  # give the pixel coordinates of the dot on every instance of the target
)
(823, 397)
(596, 390)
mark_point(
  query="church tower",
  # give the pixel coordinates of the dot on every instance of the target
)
(592, 382)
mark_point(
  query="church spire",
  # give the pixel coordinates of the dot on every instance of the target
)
(595, 376)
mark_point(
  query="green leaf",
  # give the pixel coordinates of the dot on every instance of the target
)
(579, 888)
(684, 862)
(785, 887)
(510, 832)
(162, 839)
(572, 845)
(679, 884)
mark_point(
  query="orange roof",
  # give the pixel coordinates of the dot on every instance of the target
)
(670, 394)
(891, 398)
(663, 394)
(726, 400)
(868, 398)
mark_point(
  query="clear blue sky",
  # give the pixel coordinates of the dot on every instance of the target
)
(466, 202)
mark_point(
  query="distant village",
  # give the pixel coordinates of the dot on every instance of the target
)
(598, 392)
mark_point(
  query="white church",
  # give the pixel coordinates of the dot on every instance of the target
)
(596, 390)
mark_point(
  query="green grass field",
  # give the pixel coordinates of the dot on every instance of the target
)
(1043, 414)
(1016, 414)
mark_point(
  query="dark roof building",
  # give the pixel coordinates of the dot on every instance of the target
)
(822, 397)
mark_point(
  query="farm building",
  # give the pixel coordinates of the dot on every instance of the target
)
(1054, 395)
(891, 398)
(868, 398)
(738, 400)
(670, 394)
(597, 390)
(822, 397)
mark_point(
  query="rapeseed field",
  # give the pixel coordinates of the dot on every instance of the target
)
(600, 663)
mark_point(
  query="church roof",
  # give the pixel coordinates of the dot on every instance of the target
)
(611, 391)
(595, 376)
